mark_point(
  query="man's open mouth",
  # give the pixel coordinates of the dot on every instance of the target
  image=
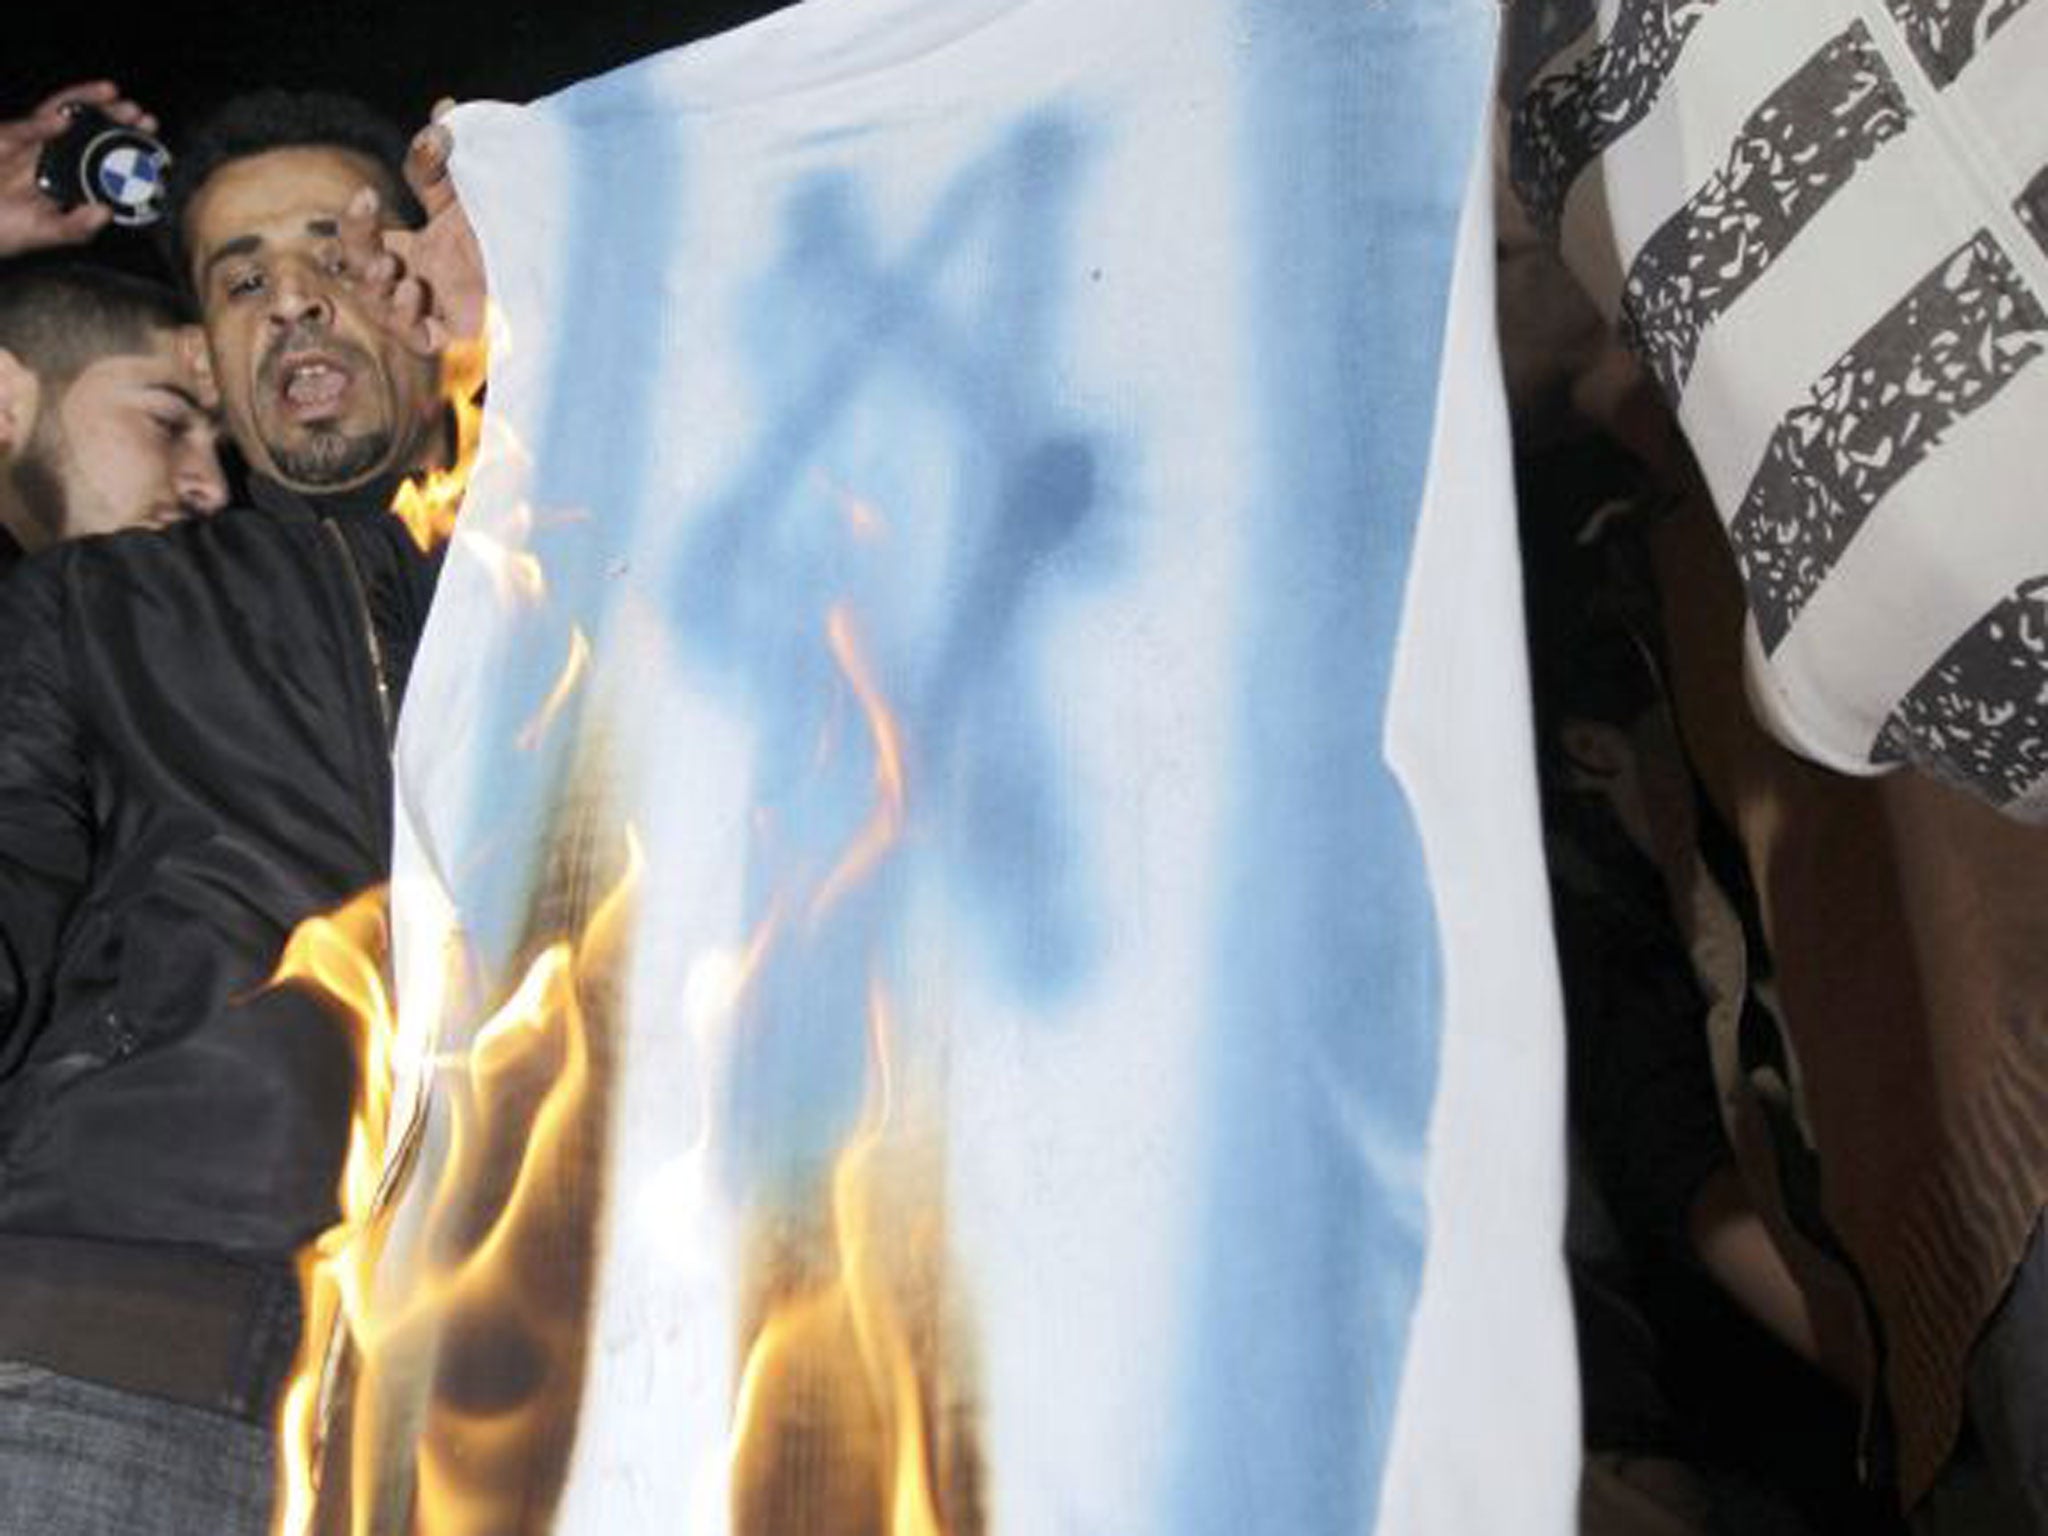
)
(313, 387)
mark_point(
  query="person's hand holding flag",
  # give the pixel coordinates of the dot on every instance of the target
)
(430, 280)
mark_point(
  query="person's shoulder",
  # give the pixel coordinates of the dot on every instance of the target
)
(238, 524)
(195, 544)
(387, 546)
(135, 556)
(33, 596)
(32, 578)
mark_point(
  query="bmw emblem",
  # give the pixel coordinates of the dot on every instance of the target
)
(98, 160)
(125, 170)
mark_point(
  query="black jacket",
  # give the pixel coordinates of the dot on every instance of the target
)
(194, 757)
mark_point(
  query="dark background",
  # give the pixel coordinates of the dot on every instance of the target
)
(180, 60)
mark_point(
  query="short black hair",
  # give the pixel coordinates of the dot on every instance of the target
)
(58, 319)
(260, 121)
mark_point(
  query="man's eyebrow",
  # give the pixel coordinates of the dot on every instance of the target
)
(184, 395)
(241, 245)
(327, 229)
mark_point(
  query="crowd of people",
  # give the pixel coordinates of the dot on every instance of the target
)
(198, 687)
(1775, 312)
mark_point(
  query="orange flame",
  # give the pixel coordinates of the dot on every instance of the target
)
(342, 955)
(375, 1438)
(573, 670)
(515, 573)
(847, 1342)
(833, 1415)
(885, 823)
(427, 503)
(519, 1097)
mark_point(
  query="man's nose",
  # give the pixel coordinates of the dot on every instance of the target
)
(300, 296)
(202, 487)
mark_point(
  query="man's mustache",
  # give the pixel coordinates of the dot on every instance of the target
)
(304, 336)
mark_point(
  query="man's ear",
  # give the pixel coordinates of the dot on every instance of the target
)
(20, 397)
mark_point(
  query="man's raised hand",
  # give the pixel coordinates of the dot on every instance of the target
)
(428, 282)
(30, 221)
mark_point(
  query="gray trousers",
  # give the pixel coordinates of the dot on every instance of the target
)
(78, 1459)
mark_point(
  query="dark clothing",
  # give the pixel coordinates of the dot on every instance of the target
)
(1687, 1404)
(10, 552)
(1642, 1099)
(1998, 1478)
(77, 1458)
(194, 758)
(1908, 1125)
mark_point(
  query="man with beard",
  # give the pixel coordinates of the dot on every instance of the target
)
(319, 394)
(196, 758)
(107, 412)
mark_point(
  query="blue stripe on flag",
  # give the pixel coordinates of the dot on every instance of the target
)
(1326, 1034)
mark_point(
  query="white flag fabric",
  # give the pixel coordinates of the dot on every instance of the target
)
(1003, 506)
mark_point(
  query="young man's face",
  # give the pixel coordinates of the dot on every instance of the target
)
(316, 393)
(129, 443)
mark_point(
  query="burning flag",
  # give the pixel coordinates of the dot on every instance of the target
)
(970, 946)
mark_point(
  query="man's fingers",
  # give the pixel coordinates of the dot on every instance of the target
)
(50, 110)
(361, 213)
(437, 282)
(31, 132)
(360, 236)
(426, 168)
(408, 303)
(131, 113)
(80, 224)
(428, 153)
(412, 316)
(52, 115)
(47, 227)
